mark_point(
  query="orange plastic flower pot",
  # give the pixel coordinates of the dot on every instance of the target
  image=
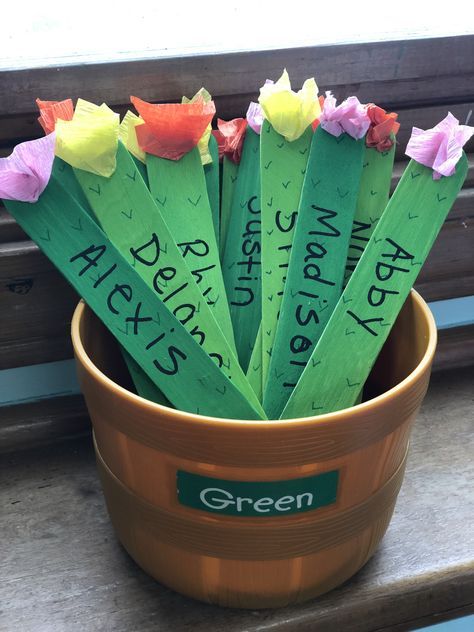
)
(254, 514)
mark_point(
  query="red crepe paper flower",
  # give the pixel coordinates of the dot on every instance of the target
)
(51, 111)
(234, 134)
(219, 136)
(172, 129)
(315, 123)
(383, 126)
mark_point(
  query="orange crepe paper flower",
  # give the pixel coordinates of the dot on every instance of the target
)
(383, 127)
(234, 134)
(172, 129)
(51, 111)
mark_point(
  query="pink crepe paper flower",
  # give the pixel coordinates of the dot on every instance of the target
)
(255, 117)
(26, 172)
(440, 147)
(350, 117)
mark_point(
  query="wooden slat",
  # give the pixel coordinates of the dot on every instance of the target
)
(400, 166)
(37, 305)
(449, 270)
(420, 67)
(41, 422)
(9, 230)
(455, 348)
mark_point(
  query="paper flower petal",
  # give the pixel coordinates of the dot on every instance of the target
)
(383, 128)
(51, 111)
(90, 140)
(203, 144)
(128, 135)
(234, 134)
(290, 113)
(440, 147)
(350, 117)
(255, 117)
(220, 138)
(26, 172)
(172, 129)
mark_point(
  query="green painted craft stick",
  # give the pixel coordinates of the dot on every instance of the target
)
(317, 262)
(143, 385)
(282, 170)
(230, 172)
(241, 264)
(141, 168)
(369, 305)
(211, 173)
(254, 371)
(129, 216)
(373, 197)
(179, 188)
(140, 321)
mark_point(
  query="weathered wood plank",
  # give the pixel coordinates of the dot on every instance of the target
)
(418, 66)
(41, 422)
(10, 231)
(37, 305)
(455, 348)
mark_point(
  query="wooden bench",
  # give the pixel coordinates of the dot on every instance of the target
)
(55, 489)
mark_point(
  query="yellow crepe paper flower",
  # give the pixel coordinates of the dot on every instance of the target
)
(290, 112)
(89, 141)
(128, 135)
(203, 144)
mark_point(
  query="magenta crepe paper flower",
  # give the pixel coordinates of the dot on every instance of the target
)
(26, 172)
(350, 117)
(440, 147)
(255, 116)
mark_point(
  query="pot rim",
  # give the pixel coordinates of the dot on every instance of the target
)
(181, 415)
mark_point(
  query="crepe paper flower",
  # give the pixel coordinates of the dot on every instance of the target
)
(255, 117)
(289, 112)
(315, 123)
(440, 147)
(203, 144)
(90, 140)
(51, 111)
(26, 172)
(234, 134)
(128, 135)
(220, 138)
(172, 129)
(383, 128)
(350, 117)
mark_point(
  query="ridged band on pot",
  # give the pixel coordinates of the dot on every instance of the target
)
(286, 442)
(269, 539)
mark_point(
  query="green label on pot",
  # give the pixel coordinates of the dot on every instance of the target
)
(257, 499)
